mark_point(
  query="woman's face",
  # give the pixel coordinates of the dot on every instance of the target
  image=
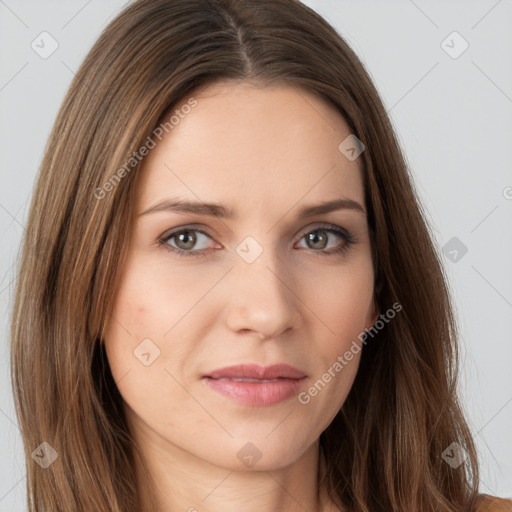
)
(262, 286)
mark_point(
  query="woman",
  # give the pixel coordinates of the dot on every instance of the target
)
(228, 297)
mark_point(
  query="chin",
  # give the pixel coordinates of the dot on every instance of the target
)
(257, 455)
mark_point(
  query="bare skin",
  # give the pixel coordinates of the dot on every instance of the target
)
(265, 153)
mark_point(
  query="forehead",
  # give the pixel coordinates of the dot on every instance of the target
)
(241, 141)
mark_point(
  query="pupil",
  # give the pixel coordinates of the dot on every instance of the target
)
(185, 235)
(313, 237)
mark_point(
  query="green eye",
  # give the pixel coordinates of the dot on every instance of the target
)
(187, 238)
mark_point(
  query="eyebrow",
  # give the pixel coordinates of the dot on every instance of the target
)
(220, 211)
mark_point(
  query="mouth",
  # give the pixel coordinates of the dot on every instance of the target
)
(257, 372)
(256, 385)
(247, 380)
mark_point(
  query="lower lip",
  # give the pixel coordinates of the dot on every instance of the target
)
(256, 393)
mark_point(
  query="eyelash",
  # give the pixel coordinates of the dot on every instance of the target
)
(348, 238)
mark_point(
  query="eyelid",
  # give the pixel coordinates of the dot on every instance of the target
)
(201, 229)
(170, 234)
(186, 227)
(348, 238)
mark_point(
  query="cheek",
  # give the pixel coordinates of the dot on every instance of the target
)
(148, 306)
(156, 294)
(137, 356)
(344, 305)
(131, 324)
(149, 302)
(343, 302)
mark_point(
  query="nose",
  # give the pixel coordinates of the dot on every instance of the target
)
(263, 299)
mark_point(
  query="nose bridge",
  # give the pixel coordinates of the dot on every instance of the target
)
(262, 292)
(258, 264)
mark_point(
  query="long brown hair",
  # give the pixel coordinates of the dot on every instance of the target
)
(384, 448)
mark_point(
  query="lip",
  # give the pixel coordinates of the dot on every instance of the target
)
(255, 371)
(285, 381)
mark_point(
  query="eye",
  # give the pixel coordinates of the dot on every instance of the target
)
(319, 239)
(183, 241)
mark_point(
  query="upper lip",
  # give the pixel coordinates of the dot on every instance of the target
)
(255, 371)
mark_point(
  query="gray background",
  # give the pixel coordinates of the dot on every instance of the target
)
(453, 118)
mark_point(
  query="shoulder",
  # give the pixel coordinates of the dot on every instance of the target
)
(487, 503)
